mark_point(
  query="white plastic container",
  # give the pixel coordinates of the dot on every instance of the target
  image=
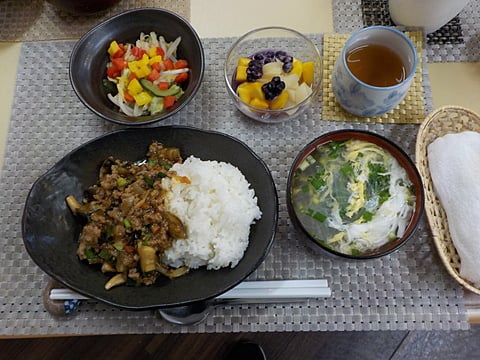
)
(429, 15)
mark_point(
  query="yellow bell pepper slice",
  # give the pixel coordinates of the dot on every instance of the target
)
(152, 52)
(154, 59)
(144, 60)
(139, 68)
(134, 87)
(113, 48)
(142, 98)
(133, 66)
(144, 72)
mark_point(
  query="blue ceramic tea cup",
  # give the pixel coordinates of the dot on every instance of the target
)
(364, 99)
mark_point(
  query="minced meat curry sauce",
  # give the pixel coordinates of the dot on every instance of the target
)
(127, 226)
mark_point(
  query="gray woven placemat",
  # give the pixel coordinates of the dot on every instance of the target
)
(30, 20)
(456, 41)
(407, 290)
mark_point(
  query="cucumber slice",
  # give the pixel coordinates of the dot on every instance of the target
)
(151, 87)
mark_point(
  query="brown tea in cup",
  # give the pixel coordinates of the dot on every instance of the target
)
(376, 65)
(372, 86)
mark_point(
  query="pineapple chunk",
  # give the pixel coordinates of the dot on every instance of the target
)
(243, 61)
(291, 81)
(308, 72)
(241, 74)
(297, 68)
(280, 101)
(272, 69)
(302, 93)
(244, 93)
(297, 84)
(259, 103)
(252, 89)
(291, 96)
(250, 92)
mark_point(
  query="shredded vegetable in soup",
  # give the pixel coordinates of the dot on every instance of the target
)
(352, 196)
(145, 78)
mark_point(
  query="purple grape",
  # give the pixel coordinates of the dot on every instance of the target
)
(255, 66)
(273, 88)
(287, 67)
(254, 70)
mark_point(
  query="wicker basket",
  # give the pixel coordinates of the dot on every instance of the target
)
(445, 120)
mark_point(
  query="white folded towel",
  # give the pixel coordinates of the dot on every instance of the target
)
(454, 162)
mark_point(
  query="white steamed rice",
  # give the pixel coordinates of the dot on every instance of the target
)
(217, 208)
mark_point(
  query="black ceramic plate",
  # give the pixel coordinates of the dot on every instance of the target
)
(50, 231)
(89, 59)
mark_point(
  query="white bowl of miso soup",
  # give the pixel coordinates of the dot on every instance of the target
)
(355, 194)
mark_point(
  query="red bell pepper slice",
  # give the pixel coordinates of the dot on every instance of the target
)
(113, 72)
(168, 101)
(157, 66)
(132, 76)
(120, 52)
(163, 85)
(128, 97)
(160, 51)
(138, 52)
(181, 77)
(168, 64)
(154, 75)
(119, 63)
(181, 64)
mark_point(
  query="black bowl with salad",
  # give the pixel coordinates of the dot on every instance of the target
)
(138, 67)
(355, 195)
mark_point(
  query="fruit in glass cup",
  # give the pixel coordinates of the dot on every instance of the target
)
(273, 79)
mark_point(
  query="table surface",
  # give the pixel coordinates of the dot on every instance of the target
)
(452, 82)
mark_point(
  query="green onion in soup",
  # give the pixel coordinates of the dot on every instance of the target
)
(352, 196)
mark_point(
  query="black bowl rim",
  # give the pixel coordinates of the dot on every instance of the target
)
(63, 281)
(136, 122)
(310, 147)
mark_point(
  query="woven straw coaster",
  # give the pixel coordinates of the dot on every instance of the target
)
(410, 111)
(33, 20)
